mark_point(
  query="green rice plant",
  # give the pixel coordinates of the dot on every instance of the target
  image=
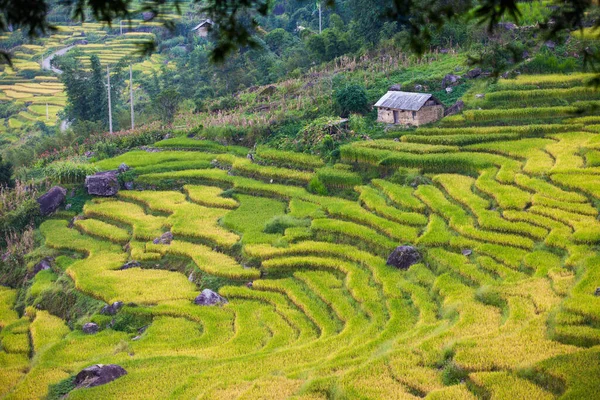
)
(507, 196)
(503, 272)
(363, 155)
(94, 227)
(207, 260)
(375, 202)
(586, 228)
(289, 159)
(543, 188)
(459, 187)
(402, 196)
(153, 162)
(337, 178)
(503, 385)
(527, 130)
(66, 172)
(589, 184)
(580, 92)
(304, 209)
(247, 168)
(46, 330)
(460, 221)
(250, 217)
(356, 234)
(436, 233)
(145, 226)
(523, 82)
(458, 264)
(209, 196)
(15, 338)
(405, 146)
(580, 208)
(592, 158)
(520, 113)
(458, 140)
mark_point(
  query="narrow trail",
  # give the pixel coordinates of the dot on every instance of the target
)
(46, 62)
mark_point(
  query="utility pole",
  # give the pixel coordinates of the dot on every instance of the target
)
(320, 30)
(131, 95)
(109, 103)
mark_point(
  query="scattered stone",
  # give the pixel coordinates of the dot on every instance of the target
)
(268, 91)
(148, 15)
(454, 108)
(597, 292)
(418, 87)
(550, 44)
(44, 264)
(98, 374)
(128, 185)
(68, 206)
(51, 200)
(112, 309)
(165, 238)
(444, 51)
(102, 183)
(525, 55)
(209, 298)
(403, 257)
(505, 75)
(509, 26)
(449, 90)
(75, 218)
(249, 284)
(458, 68)
(396, 139)
(450, 80)
(89, 154)
(474, 73)
(250, 157)
(131, 264)
(480, 96)
(466, 252)
(395, 88)
(123, 168)
(90, 328)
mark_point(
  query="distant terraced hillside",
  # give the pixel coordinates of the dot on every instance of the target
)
(502, 306)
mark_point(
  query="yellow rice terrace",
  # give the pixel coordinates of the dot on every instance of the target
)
(451, 262)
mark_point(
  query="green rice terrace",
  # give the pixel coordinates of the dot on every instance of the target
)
(502, 302)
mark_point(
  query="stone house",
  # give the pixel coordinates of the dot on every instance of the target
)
(203, 27)
(406, 108)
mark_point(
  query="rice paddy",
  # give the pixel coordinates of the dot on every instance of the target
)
(502, 304)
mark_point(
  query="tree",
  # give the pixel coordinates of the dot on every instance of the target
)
(351, 99)
(97, 93)
(166, 104)
(6, 171)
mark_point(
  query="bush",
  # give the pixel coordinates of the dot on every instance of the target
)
(66, 172)
(280, 223)
(351, 99)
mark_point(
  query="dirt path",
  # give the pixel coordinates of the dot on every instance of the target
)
(46, 61)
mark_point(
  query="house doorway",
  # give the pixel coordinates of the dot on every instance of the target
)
(395, 116)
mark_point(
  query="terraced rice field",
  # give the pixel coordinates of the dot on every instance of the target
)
(502, 305)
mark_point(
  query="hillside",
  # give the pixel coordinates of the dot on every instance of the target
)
(500, 201)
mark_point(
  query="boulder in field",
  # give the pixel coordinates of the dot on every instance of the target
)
(403, 257)
(51, 200)
(450, 80)
(474, 73)
(98, 374)
(395, 88)
(123, 168)
(90, 328)
(102, 183)
(454, 108)
(165, 238)
(112, 309)
(131, 264)
(44, 264)
(209, 298)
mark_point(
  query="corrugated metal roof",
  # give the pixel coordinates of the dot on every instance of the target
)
(201, 24)
(403, 100)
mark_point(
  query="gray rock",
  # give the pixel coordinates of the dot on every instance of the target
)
(550, 44)
(130, 264)
(418, 87)
(43, 265)
(128, 185)
(209, 298)
(51, 200)
(449, 90)
(123, 168)
(525, 54)
(90, 328)
(97, 375)
(250, 157)
(597, 292)
(68, 206)
(165, 238)
(474, 73)
(454, 108)
(480, 96)
(268, 91)
(112, 309)
(403, 257)
(450, 80)
(395, 88)
(148, 15)
(102, 183)
(509, 26)
(466, 252)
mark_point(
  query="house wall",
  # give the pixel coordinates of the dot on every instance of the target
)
(425, 115)
(202, 31)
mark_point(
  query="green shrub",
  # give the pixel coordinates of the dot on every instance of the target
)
(280, 223)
